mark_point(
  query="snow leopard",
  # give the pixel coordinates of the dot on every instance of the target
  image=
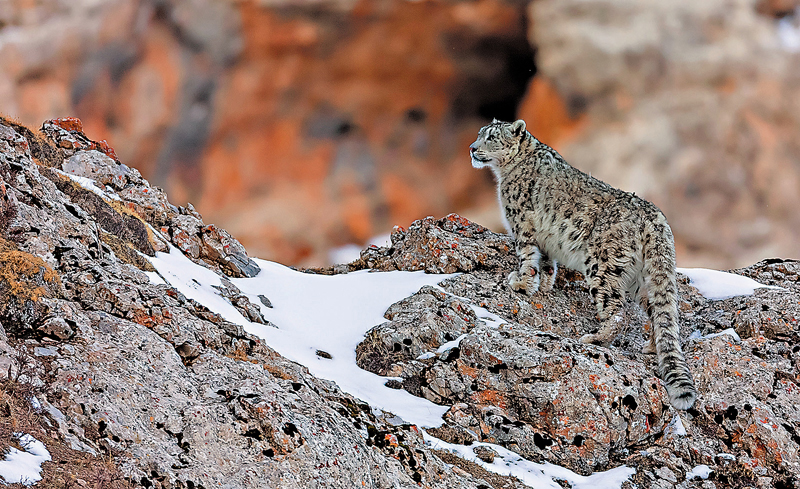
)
(621, 243)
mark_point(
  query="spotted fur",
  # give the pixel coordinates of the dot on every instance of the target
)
(621, 243)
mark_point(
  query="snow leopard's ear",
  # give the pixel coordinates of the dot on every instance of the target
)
(518, 127)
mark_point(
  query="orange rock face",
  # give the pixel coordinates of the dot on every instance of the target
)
(333, 130)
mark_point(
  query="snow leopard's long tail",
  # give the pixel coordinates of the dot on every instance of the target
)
(662, 307)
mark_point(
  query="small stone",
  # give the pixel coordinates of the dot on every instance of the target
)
(666, 473)
(57, 327)
(44, 352)
(188, 351)
(485, 453)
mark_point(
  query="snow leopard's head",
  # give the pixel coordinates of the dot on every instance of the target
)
(496, 143)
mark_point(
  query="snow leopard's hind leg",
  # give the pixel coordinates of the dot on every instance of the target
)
(608, 273)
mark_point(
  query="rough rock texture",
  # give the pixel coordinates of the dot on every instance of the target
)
(258, 109)
(177, 397)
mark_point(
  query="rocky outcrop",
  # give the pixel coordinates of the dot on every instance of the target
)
(121, 367)
(126, 368)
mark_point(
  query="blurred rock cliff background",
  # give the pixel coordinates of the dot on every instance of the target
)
(302, 126)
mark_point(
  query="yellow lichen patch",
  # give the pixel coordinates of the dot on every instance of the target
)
(122, 208)
(23, 275)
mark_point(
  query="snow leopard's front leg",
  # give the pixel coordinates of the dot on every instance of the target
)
(547, 277)
(535, 273)
(527, 278)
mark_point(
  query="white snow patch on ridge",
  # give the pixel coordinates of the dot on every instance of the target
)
(316, 312)
(675, 427)
(89, 184)
(532, 474)
(333, 313)
(701, 471)
(730, 332)
(24, 467)
(716, 285)
(195, 282)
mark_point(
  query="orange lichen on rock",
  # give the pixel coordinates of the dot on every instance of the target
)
(68, 123)
(491, 397)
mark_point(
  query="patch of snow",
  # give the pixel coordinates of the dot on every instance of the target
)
(333, 313)
(675, 427)
(716, 285)
(727, 456)
(730, 331)
(24, 466)
(316, 312)
(451, 344)
(35, 404)
(89, 184)
(530, 473)
(443, 348)
(155, 278)
(491, 319)
(195, 282)
(702, 471)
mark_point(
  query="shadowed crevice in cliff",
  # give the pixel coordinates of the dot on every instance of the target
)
(494, 72)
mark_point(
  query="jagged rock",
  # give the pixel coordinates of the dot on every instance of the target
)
(56, 327)
(241, 302)
(98, 167)
(185, 234)
(551, 397)
(447, 245)
(221, 248)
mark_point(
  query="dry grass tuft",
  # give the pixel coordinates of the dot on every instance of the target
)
(125, 252)
(23, 276)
